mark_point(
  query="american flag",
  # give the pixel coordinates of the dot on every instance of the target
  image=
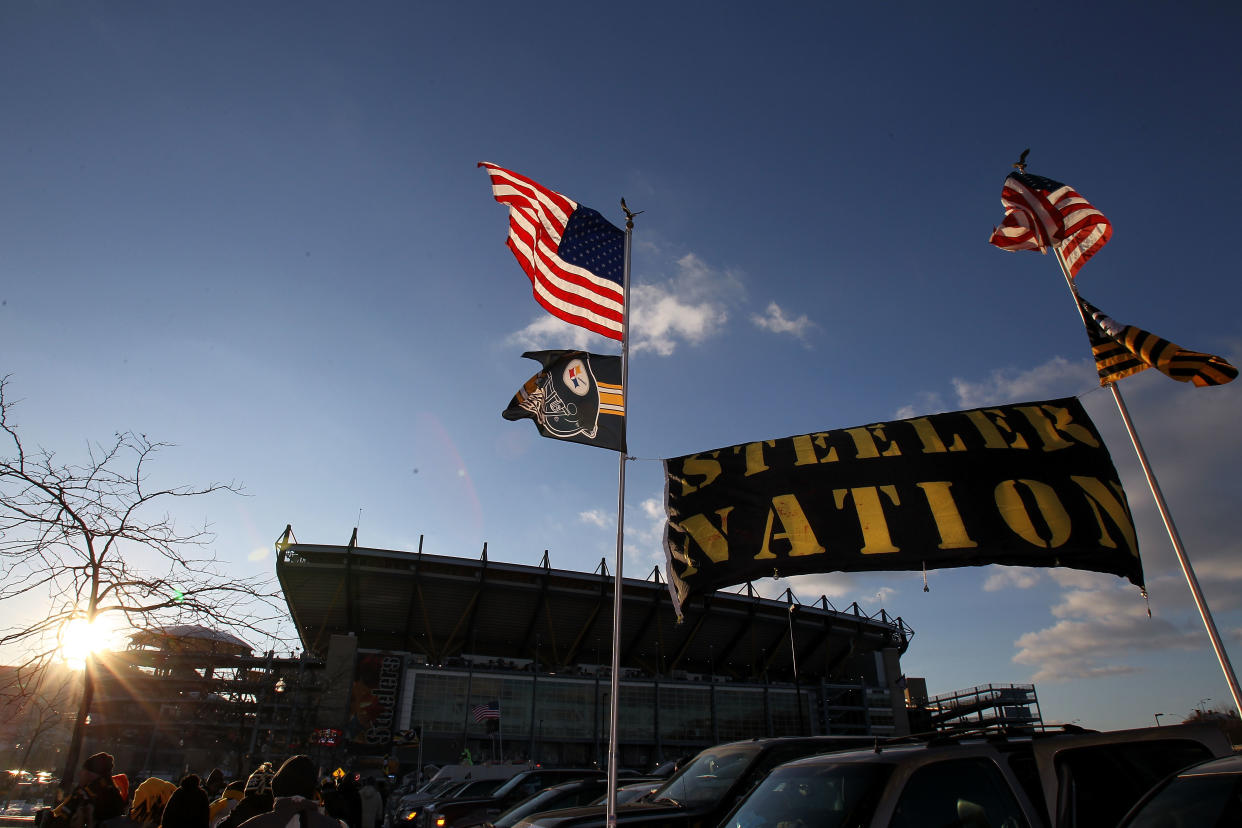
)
(572, 255)
(1042, 213)
(481, 712)
(1122, 350)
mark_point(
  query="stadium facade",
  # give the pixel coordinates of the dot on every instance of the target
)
(426, 656)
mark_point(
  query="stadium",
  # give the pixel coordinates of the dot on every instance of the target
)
(426, 656)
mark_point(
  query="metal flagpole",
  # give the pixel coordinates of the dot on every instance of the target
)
(614, 697)
(1187, 570)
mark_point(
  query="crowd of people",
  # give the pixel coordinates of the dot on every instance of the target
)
(291, 796)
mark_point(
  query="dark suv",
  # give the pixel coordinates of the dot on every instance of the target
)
(460, 813)
(706, 788)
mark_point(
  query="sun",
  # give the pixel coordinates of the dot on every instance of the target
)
(80, 639)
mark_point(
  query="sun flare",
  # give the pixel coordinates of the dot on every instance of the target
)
(80, 639)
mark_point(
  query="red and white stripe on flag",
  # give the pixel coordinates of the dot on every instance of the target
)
(1042, 213)
(537, 221)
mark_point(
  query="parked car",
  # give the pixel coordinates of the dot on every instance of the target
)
(411, 808)
(705, 789)
(631, 792)
(666, 769)
(1206, 795)
(20, 807)
(1067, 779)
(564, 795)
(461, 813)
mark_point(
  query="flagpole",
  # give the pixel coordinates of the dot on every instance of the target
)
(614, 696)
(1200, 602)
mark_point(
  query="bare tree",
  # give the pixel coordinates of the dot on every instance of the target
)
(95, 538)
(37, 701)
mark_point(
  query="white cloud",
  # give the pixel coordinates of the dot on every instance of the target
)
(644, 534)
(773, 319)
(596, 517)
(1102, 627)
(929, 402)
(662, 319)
(1098, 625)
(1056, 377)
(1081, 579)
(1098, 647)
(1016, 577)
(689, 307)
(882, 595)
(546, 332)
(258, 554)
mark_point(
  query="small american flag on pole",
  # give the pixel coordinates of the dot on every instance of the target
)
(482, 712)
(1042, 213)
(573, 256)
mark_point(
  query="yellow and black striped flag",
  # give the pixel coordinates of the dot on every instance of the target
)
(1122, 350)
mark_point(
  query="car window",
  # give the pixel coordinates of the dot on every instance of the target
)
(1097, 784)
(971, 793)
(1026, 769)
(708, 778)
(1204, 801)
(486, 787)
(546, 800)
(814, 796)
(511, 783)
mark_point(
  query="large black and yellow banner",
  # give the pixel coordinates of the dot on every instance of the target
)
(1029, 484)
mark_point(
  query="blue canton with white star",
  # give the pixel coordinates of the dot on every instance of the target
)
(591, 241)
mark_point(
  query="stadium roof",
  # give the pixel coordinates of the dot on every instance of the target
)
(444, 607)
(190, 637)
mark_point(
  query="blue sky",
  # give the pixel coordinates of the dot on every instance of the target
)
(257, 231)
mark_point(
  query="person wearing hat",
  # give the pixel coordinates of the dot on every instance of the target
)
(226, 803)
(95, 799)
(295, 787)
(188, 806)
(149, 800)
(256, 798)
(214, 784)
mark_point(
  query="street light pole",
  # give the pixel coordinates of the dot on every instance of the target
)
(1157, 715)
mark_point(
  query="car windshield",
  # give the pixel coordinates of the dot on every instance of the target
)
(814, 796)
(708, 777)
(545, 800)
(628, 794)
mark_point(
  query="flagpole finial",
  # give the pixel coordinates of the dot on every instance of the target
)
(629, 215)
(1020, 164)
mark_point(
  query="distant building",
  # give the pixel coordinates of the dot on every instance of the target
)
(423, 646)
(191, 698)
(408, 656)
(988, 705)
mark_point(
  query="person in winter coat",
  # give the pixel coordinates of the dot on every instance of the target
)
(296, 804)
(257, 798)
(187, 807)
(94, 800)
(348, 789)
(333, 800)
(372, 803)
